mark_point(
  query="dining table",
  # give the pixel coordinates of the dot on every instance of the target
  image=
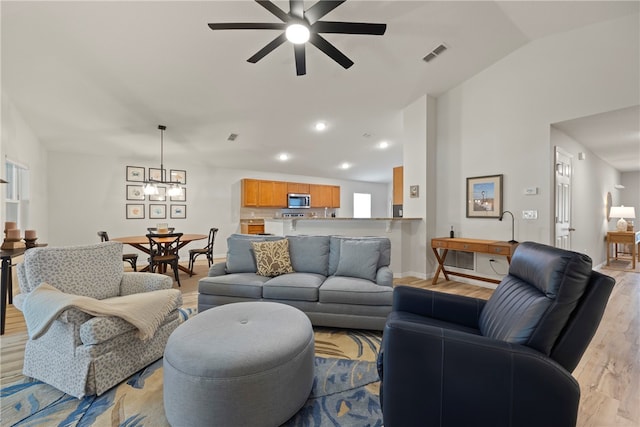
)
(142, 243)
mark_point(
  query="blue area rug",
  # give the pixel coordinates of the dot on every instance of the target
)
(344, 394)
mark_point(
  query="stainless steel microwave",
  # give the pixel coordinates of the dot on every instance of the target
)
(298, 201)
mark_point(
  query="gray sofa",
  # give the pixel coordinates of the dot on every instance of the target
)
(337, 281)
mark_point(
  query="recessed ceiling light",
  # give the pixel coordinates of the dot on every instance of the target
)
(283, 157)
(383, 144)
(320, 126)
(345, 165)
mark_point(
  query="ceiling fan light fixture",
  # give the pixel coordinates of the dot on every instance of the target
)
(297, 33)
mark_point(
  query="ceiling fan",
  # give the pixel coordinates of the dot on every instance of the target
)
(300, 26)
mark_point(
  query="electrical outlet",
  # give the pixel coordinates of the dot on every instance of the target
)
(529, 214)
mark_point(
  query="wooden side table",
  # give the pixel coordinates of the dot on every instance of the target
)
(623, 237)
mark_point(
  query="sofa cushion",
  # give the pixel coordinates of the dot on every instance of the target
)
(294, 286)
(309, 254)
(240, 257)
(246, 285)
(359, 258)
(272, 258)
(334, 251)
(350, 290)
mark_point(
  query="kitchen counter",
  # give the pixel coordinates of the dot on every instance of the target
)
(293, 222)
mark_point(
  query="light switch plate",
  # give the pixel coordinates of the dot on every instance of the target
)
(529, 214)
(530, 191)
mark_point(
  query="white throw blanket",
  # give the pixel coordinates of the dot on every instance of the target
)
(146, 311)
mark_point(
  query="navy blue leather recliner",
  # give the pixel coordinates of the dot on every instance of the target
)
(452, 361)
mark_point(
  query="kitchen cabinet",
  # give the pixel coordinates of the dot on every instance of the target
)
(297, 188)
(264, 194)
(335, 196)
(324, 196)
(398, 184)
(250, 192)
(252, 227)
(273, 194)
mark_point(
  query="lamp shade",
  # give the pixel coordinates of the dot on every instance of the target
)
(622, 212)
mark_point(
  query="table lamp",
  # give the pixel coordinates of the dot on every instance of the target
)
(622, 212)
(513, 240)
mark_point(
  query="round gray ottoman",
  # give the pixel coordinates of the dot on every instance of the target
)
(244, 364)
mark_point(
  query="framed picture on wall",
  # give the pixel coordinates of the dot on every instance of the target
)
(157, 211)
(182, 197)
(484, 196)
(135, 192)
(160, 197)
(178, 211)
(135, 173)
(177, 175)
(156, 174)
(135, 211)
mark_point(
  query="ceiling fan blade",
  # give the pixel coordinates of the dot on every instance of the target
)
(268, 48)
(301, 66)
(320, 9)
(322, 44)
(296, 8)
(349, 28)
(248, 26)
(281, 14)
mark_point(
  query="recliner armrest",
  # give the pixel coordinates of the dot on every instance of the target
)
(452, 308)
(435, 376)
(136, 282)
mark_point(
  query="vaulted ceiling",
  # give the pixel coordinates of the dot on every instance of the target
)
(98, 77)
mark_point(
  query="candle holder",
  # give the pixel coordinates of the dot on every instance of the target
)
(30, 243)
(13, 242)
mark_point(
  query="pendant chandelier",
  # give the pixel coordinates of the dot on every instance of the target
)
(151, 185)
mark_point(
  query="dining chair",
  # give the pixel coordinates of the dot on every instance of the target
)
(130, 258)
(164, 251)
(208, 250)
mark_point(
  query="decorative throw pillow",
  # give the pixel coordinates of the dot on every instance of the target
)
(359, 258)
(272, 258)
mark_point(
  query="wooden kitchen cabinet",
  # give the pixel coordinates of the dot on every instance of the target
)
(252, 227)
(398, 184)
(324, 196)
(264, 194)
(250, 192)
(335, 196)
(297, 188)
(272, 194)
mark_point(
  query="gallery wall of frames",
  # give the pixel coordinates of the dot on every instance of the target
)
(154, 206)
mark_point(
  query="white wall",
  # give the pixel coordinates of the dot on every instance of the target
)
(498, 122)
(630, 194)
(19, 144)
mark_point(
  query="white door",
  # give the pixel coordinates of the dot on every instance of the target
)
(563, 172)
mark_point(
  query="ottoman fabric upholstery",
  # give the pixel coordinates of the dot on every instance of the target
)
(242, 364)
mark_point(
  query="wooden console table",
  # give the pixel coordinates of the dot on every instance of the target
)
(627, 238)
(493, 247)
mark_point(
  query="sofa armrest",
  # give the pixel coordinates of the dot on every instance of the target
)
(135, 283)
(384, 277)
(452, 308)
(436, 376)
(218, 269)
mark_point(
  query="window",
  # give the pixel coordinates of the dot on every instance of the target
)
(17, 200)
(361, 205)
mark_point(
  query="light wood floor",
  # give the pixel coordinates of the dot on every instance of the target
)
(609, 372)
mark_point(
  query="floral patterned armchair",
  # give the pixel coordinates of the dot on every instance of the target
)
(81, 354)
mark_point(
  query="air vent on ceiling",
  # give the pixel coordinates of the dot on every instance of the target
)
(434, 53)
(232, 137)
